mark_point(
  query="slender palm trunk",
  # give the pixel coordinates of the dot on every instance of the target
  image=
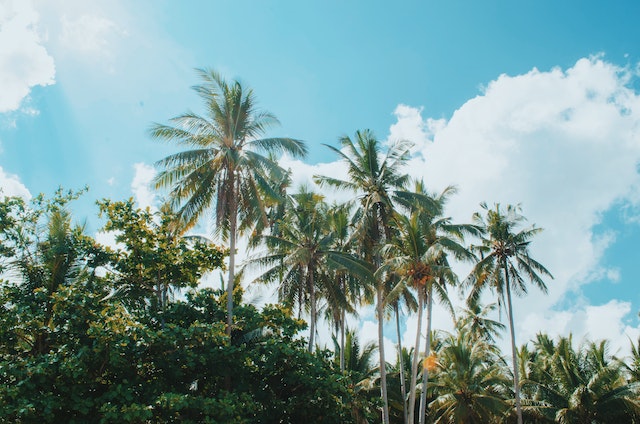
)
(383, 364)
(312, 299)
(403, 389)
(427, 352)
(232, 258)
(342, 339)
(516, 378)
(414, 363)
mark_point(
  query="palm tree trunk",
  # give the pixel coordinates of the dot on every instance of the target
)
(516, 378)
(383, 364)
(403, 389)
(414, 363)
(342, 339)
(232, 256)
(427, 352)
(312, 299)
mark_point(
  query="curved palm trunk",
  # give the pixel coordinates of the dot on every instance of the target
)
(516, 378)
(383, 364)
(427, 352)
(403, 389)
(414, 363)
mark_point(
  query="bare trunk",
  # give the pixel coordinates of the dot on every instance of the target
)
(383, 364)
(516, 377)
(232, 260)
(342, 339)
(427, 352)
(414, 363)
(312, 299)
(403, 389)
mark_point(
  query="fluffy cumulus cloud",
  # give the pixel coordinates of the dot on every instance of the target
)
(24, 61)
(411, 126)
(564, 144)
(10, 185)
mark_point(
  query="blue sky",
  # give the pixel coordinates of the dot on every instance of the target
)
(530, 102)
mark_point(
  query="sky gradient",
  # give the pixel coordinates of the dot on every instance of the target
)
(536, 103)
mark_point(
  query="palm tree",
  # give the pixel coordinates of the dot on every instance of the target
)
(401, 294)
(347, 291)
(633, 368)
(476, 321)
(223, 165)
(470, 382)
(504, 265)
(47, 254)
(418, 254)
(357, 360)
(301, 255)
(580, 386)
(397, 374)
(373, 177)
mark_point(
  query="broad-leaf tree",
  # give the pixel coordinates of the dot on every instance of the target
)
(154, 259)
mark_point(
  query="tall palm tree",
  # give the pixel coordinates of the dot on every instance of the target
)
(302, 254)
(504, 266)
(347, 291)
(418, 254)
(373, 177)
(223, 165)
(399, 295)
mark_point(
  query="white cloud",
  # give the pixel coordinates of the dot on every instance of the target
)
(589, 322)
(410, 126)
(24, 61)
(302, 174)
(564, 144)
(141, 185)
(10, 185)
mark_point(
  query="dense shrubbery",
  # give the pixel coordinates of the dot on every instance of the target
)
(87, 334)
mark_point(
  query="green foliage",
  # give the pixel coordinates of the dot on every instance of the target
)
(155, 257)
(583, 385)
(224, 168)
(71, 351)
(471, 384)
